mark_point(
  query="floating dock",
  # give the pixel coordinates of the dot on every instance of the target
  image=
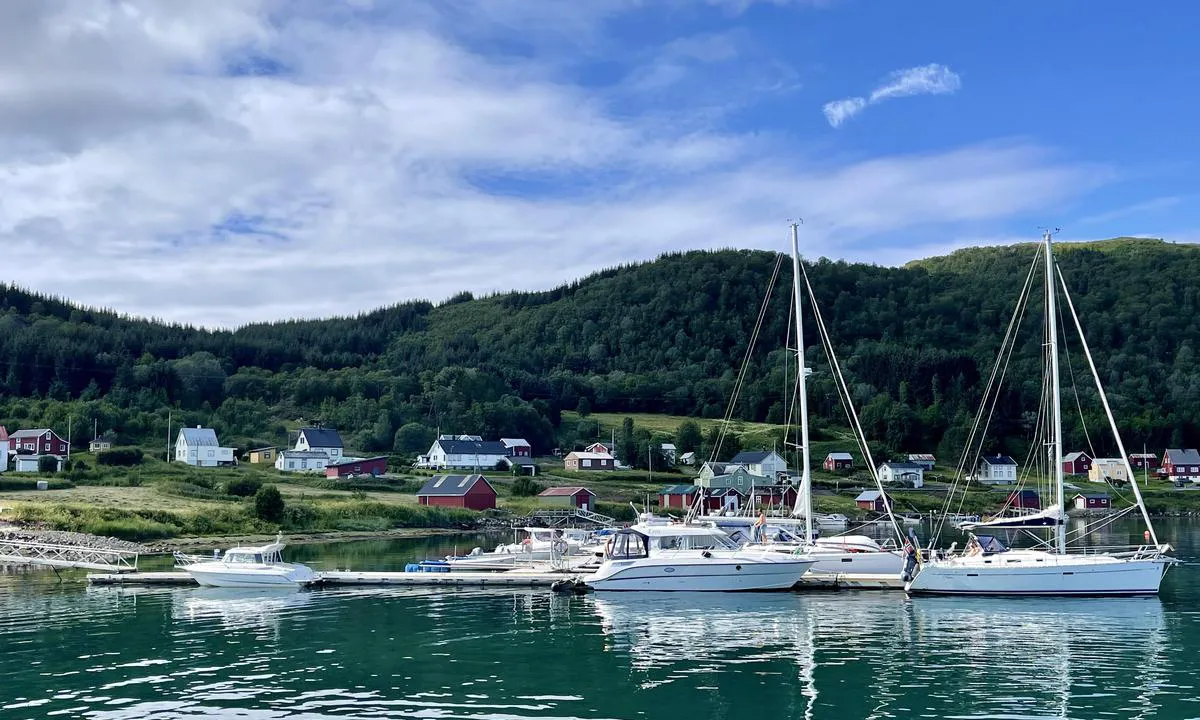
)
(511, 578)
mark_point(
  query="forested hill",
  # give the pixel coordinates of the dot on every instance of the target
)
(666, 336)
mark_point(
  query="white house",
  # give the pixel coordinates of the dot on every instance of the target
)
(322, 440)
(997, 470)
(668, 452)
(688, 458)
(908, 474)
(198, 446)
(767, 463)
(3, 458)
(447, 452)
(302, 461)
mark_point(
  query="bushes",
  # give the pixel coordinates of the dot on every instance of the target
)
(243, 486)
(120, 457)
(27, 483)
(47, 464)
(525, 486)
(268, 504)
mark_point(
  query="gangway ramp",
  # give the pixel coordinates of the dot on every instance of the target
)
(26, 552)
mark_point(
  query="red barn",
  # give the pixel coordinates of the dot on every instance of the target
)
(872, 500)
(357, 466)
(1143, 461)
(578, 497)
(39, 442)
(472, 492)
(676, 496)
(1076, 463)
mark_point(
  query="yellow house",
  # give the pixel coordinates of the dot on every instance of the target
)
(262, 455)
(1108, 469)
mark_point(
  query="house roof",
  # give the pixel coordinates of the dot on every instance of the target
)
(522, 461)
(871, 495)
(565, 492)
(902, 466)
(1142, 455)
(302, 454)
(607, 446)
(262, 449)
(922, 456)
(3, 433)
(1184, 457)
(1091, 496)
(678, 490)
(21, 434)
(668, 446)
(998, 460)
(473, 447)
(452, 485)
(322, 437)
(581, 455)
(1072, 457)
(766, 481)
(515, 442)
(751, 456)
(839, 456)
(686, 455)
(717, 468)
(355, 461)
(199, 437)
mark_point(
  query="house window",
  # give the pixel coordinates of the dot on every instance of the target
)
(62, 448)
(587, 463)
(210, 453)
(304, 464)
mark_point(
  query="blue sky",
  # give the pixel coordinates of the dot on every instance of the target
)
(229, 162)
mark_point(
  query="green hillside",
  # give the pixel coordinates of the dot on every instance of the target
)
(665, 337)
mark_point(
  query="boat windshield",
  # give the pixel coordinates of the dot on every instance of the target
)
(243, 557)
(691, 541)
(628, 546)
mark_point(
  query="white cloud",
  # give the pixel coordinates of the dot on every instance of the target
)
(933, 79)
(372, 160)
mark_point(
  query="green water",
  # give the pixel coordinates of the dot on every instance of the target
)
(72, 651)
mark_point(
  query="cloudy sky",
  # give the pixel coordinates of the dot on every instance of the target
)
(220, 161)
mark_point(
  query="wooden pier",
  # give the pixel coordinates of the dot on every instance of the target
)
(511, 578)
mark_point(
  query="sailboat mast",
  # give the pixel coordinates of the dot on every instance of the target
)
(802, 380)
(1056, 400)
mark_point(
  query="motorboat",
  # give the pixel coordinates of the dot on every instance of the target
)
(260, 566)
(839, 554)
(666, 556)
(538, 545)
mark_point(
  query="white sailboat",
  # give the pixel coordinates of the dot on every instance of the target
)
(986, 567)
(846, 554)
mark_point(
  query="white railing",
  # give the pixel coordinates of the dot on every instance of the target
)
(22, 552)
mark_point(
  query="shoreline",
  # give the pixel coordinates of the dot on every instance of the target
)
(224, 542)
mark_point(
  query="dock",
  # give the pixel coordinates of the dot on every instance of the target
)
(511, 578)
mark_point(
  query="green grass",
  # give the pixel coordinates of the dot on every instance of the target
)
(29, 482)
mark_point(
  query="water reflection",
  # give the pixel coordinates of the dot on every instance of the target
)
(239, 608)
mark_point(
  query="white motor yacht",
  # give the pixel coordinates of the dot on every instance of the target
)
(663, 556)
(260, 566)
(537, 546)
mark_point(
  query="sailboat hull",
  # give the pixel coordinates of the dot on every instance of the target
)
(1031, 572)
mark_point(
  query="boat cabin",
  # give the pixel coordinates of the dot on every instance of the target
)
(264, 555)
(638, 541)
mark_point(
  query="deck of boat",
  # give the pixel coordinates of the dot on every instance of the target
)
(512, 578)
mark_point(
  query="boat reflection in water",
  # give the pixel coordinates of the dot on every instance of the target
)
(879, 655)
(238, 608)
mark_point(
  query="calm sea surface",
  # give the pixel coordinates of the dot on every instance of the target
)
(71, 651)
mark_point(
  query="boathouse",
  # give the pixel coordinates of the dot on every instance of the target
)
(1092, 501)
(472, 492)
(676, 496)
(349, 467)
(871, 500)
(576, 497)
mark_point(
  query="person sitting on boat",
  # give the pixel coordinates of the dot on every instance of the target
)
(973, 547)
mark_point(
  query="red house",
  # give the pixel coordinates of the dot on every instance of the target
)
(872, 500)
(1143, 461)
(1092, 501)
(1181, 465)
(578, 497)
(38, 442)
(1024, 500)
(723, 499)
(517, 447)
(472, 492)
(676, 496)
(1076, 463)
(356, 466)
(838, 461)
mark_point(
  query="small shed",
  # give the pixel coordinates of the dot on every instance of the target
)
(688, 458)
(871, 500)
(472, 492)
(32, 463)
(676, 496)
(1076, 463)
(262, 455)
(521, 465)
(1143, 461)
(838, 461)
(1024, 500)
(357, 466)
(1092, 501)
(99, 445)
(577, 497)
